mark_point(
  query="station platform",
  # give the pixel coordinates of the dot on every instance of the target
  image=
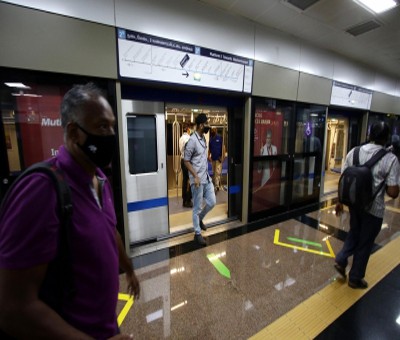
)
(271, 282)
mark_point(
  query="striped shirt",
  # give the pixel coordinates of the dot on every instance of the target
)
(387, 169)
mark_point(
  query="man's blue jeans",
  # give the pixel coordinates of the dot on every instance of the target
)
(205, 191)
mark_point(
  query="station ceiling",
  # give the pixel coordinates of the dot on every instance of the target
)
(342, 26)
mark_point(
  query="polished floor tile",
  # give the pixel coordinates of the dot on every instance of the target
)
(234, 288)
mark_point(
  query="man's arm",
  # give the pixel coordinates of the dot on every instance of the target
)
(126, 265)
(392, 179)
(392, 191)
(223, 153)
(194, 173)
(23, 314)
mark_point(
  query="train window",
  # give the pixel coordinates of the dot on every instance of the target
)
(142, 144)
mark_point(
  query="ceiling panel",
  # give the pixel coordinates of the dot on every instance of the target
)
(253, 9)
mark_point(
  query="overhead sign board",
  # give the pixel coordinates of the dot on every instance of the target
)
(351, 96)
(149, 57)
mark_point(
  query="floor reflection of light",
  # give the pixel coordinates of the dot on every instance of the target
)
(323, 226)
(179, 305)
(177, 270)
(287, 283)
(248, 305)
(154, 316)
(218, 255)
(385, 226)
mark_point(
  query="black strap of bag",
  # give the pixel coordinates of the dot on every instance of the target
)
(370, 163)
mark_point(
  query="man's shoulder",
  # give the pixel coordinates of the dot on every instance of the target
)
(190, 142)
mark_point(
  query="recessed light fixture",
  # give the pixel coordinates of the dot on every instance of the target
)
(377, 6)
(17, 85)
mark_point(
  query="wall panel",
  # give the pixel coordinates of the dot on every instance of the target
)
(100, 11)
(276, 48)
(41, 41)
(385, 84)
(274, 81)
(188, 21)
(314, 89)
(384, 103)
(350, 72)
(316, 61)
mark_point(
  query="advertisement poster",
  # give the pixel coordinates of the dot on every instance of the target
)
(268, 127)
(40, 127)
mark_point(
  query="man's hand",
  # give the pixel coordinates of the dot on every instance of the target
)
(197, 181)
(133, 284)
(339, 209)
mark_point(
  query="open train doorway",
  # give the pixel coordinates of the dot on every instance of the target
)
(336, 151)
(178, 118)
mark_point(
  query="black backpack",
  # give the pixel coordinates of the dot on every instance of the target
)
(356, 182)
(58, 282)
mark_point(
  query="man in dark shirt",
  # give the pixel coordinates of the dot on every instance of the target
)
(216, 153)
(30, 228)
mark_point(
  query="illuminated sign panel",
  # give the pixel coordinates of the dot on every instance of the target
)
(149, 57)
(351, 96)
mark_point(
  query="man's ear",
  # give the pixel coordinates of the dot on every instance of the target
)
(72, 132)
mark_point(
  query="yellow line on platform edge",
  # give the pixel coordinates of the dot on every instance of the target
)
(325, 306)
(129, 302)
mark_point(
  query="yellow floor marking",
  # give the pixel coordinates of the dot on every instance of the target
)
(328, 244)
(129, 302)
(313, 315)
(288, 245)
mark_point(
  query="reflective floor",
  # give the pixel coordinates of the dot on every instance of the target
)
(247, 280)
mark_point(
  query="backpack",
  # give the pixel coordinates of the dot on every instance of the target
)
(58, 282)
(356, 182)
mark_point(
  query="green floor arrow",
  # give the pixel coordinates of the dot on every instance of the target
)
(315, 244)
(219, 266)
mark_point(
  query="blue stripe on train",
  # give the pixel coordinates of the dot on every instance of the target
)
(147, 204)
(234, 189)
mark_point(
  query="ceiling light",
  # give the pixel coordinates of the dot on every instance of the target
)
(377, 6)
(17, 85)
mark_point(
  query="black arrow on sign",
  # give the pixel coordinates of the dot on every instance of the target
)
(186, 74)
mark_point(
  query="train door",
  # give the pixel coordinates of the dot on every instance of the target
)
(178, 117)
(144, 155)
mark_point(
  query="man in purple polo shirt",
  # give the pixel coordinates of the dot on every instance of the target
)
(29, 233)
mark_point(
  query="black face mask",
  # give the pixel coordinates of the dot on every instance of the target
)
(206, 129)
(99, 149)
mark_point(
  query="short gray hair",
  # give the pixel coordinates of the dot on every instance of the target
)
(74, 99)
